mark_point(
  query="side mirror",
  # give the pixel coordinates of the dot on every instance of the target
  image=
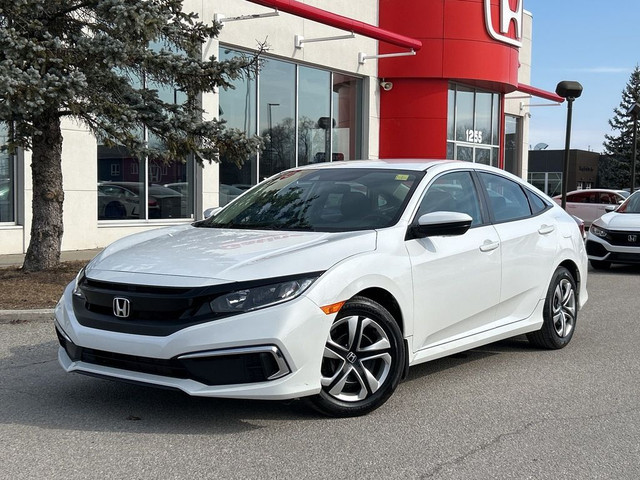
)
(611, 208)
(210, 212)
(440, 224)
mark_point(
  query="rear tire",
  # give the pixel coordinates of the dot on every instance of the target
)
(363, 360)
(560, 312)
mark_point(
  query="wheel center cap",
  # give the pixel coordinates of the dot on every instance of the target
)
(351, 357)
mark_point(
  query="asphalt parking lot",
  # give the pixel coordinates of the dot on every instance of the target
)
(502, 411)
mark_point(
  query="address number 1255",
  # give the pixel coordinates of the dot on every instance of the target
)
(473, 136)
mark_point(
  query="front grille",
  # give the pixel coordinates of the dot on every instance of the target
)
(246, 366)
(151, 310)
(155, 311)
(125, 287)
(624, 239)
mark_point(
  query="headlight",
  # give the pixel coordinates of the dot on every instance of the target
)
(598, 232)
(259, 297)
(77, 291)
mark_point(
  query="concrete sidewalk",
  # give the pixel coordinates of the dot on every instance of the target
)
(18, 258)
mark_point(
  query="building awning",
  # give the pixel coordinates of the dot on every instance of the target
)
(338, 21)
(538, 92)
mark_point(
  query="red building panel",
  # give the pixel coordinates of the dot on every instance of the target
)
(456, 47)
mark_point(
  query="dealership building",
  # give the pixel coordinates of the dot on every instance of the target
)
(338, 81)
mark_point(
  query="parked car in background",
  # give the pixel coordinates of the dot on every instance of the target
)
(184, 189)
(615, 237)
(121, 200)
(116, 202)
(327, 282)
(590, 204)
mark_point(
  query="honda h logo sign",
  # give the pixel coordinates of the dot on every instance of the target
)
(121, 307)
(506, 17)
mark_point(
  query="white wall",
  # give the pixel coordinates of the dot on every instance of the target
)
(516, 103)
(79, 153)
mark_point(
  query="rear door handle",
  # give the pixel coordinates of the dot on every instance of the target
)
(546, 229)
(488, 245)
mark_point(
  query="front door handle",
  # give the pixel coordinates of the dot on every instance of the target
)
(488, 246)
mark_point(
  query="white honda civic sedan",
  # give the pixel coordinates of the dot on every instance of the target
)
(327, 282)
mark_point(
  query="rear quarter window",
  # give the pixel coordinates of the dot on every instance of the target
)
(537, 204)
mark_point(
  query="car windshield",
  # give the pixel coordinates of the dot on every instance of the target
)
(630, 205)
(327, 200)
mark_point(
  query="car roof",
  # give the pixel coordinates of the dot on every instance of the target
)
(418, 165)
(593, 190)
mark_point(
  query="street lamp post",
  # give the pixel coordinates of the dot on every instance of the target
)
(633, 112)
(569, 90)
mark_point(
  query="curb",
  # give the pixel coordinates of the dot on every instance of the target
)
(26, 316)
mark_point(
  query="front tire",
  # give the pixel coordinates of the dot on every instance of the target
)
(363, 360)
(560, 312)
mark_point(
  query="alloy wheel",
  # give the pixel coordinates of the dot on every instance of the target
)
(564, 308)
(356, 360)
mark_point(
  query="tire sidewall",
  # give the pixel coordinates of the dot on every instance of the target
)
(559, 342)
(364, 306)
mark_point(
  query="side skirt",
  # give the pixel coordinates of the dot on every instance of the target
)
(530, 324)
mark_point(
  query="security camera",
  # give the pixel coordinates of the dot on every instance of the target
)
(386, 86)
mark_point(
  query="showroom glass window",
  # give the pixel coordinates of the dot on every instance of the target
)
(512, 143)
(548, 182)
(277, 113)
(314, 115)
(7, 180)
(473, 125)
(305, 115)
(238, 107)
(131, 188)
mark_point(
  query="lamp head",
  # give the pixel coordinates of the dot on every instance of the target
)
(569, 89)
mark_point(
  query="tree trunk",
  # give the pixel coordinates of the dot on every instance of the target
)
(48, 195)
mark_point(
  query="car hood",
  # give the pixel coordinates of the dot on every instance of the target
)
(620, 221)
(191, 256)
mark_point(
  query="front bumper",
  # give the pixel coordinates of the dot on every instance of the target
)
(599, 249)
(273, 353)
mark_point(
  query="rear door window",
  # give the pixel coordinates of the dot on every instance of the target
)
(507, 199)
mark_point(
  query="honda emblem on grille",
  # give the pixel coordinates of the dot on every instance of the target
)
(632, 238)
(121, 307)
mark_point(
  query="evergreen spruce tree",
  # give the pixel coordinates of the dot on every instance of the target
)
(84, 60)
(614, 169)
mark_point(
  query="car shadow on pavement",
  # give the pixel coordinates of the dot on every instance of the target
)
(36, 391)
(518, 344)
(618, 269)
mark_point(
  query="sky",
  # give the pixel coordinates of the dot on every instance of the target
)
(594, 42)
